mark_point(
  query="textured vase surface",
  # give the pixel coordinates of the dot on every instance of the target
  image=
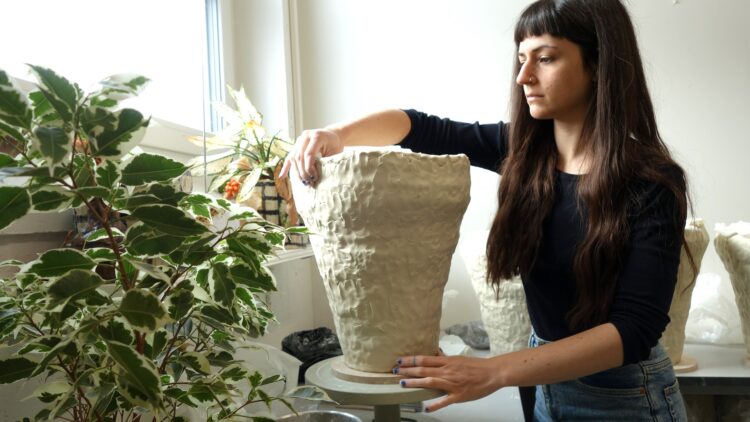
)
(384, 227)
(673, 339)
(504, 316)
(732, 244)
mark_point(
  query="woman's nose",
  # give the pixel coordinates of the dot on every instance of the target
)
(524, 76)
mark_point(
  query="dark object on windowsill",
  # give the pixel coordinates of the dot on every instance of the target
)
(311, 347)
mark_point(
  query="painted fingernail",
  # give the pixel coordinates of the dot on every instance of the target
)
(305, 182)
(403, 383)
(398, 361)
(427, 410)
(395, 370)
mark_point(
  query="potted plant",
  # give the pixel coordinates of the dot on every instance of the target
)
(246, 163)
(144, 319)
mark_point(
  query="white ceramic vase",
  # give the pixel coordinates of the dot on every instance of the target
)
(732, 244)
(504, 316)
(673, 338)
(384, 226)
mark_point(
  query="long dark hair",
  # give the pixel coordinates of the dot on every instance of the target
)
(623, 144)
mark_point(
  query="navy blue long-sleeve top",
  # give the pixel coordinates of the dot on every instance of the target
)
(646, 283)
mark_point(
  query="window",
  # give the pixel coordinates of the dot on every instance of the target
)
(86, 40)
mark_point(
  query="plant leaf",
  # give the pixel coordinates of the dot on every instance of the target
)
(309, 393)
(101, 234)
(57, 262)
(179, 303)
(221, 285)
(49, 391)
(143, 310)
(53, 142)
(143, 240)
(197, 361)
(56, 350)
(150, 269)
(14, 108)
(14, 204)
(137, 378)
(115, 330)
(126, 135)
(123, 85)
(101, 255)
(145, 168)
(74, 285)
(166, 194)
(248, 184)
(180, 395)
(7, 161)
(257, 281)
(62, 95)
(14, 369)
(49, 199)
(107, 175)
(169, 220)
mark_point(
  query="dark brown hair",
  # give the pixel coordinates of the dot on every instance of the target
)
(623, 144)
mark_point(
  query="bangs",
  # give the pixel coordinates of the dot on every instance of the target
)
(541, 17)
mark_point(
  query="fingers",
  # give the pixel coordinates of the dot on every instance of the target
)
(408, 361)
(303, 158)
(433, 383)
(441, 403)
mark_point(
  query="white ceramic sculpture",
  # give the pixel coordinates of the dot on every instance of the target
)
(673, 338)
(732, 244)
(505, 318)
(384, 226)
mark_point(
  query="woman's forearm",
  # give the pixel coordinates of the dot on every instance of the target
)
(383, 128)
(588, 352)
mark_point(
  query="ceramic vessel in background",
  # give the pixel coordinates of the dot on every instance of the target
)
(384, 226)
(732, 244)
(673, 338)
(504, 316)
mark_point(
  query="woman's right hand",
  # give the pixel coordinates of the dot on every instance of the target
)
(310, 145)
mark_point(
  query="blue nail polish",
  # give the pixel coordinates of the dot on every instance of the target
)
(395, 370)
(398, 361)
(403, 383)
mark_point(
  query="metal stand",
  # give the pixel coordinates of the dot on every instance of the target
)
(385, 398)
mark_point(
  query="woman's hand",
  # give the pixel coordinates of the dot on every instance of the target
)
(309, 146)
(462, 378)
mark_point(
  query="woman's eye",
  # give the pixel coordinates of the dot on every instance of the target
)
(545, 59)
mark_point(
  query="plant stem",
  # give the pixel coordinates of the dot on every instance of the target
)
(170, 347)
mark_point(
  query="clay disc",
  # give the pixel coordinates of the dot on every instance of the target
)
(686, 364)
(341, 371)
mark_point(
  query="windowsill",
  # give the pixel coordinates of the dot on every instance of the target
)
(36, 223)
(290, 255)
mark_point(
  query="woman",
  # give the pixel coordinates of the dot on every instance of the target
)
(592, 203)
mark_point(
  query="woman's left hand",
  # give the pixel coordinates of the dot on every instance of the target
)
(462, 378)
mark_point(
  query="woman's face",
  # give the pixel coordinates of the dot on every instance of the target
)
(555, 80)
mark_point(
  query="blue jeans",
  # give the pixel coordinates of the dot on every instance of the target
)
(643, 391)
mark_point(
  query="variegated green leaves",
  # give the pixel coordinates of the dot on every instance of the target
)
(14, 204)
(143, 310)
(146, 316)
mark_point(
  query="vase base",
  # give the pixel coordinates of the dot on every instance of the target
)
(341, 371)
(686, 364)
